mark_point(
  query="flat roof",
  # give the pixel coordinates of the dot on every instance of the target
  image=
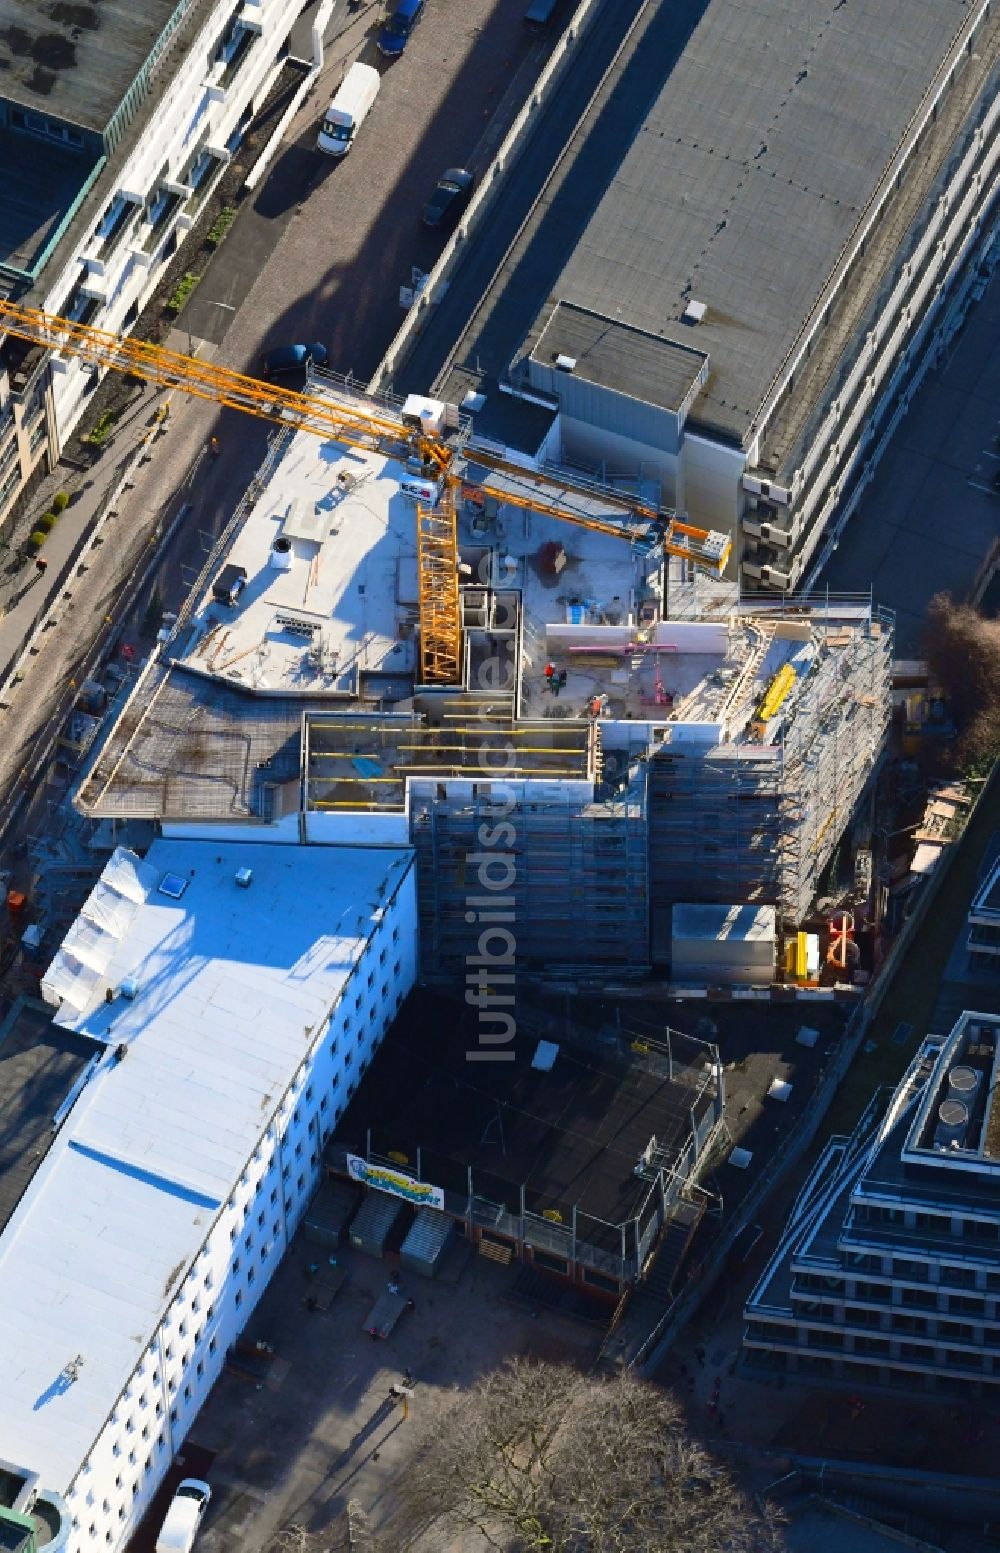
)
(571, 1134)
(76, 59)
(620, 357)
(39, 1064)
(347, 579)
(757, 132)
(227, 980)
(957, 1125)
(36, 190)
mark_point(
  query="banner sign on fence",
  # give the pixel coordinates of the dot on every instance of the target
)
(420, 1193)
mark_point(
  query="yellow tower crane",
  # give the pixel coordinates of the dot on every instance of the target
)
(369, 425)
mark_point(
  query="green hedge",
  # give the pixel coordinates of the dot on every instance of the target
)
(220, 226)
(182, 291)
(102, 431)
(46, 522)
(38, 538)
(60, 502)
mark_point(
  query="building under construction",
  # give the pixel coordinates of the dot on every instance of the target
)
(756, 816)
(591, 760)
(570, 1157)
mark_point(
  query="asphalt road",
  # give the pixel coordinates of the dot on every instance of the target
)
(517, 201)
(323, 248)
(319, 253)
(930, 514)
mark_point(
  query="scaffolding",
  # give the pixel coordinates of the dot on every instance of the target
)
(578, 877)
(746, 821)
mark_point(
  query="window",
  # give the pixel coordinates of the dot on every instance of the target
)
(45, 129)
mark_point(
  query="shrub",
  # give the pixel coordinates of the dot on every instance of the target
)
(46, 522)
(100, 433)
(182, 291)
(60, 502)
(220, 226)
(38, 539)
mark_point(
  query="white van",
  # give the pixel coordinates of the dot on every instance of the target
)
(354, 101)
(187, 1508)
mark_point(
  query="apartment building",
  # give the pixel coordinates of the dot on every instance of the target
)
(617, 760)
(234, 996)
(888, 1271)
(757, 284)
(984, 922)
(116, 122)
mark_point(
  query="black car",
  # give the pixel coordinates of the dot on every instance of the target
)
(288, 358)
(450, 197)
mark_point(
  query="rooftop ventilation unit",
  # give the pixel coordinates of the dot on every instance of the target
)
(172, 885)
(963, 1083)
(473, 402)
(694, 312)
(953, 1120)
(281, 554)
(129, 988)
(565, 363)
(243, 877)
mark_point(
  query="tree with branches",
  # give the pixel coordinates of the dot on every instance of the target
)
(962, 648)
(542, 1459)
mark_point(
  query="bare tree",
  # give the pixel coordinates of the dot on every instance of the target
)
(962, 649)
(539, 1458)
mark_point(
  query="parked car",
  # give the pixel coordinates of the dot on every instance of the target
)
(187, 1509)
(452, 193)
(352, 104)
(289, 358)
(541, 14)
(393, 38)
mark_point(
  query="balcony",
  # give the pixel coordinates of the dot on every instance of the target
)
(162, 212)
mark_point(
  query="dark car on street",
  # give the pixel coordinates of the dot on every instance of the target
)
(290, 358)
(392, 40)
(451, 195)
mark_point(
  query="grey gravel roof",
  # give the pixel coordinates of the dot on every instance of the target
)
(75, 59)
(619, 357)
(754, 164)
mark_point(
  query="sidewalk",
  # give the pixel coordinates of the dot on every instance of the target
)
(26, 594)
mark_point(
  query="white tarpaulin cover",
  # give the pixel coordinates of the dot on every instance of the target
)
(77, 971)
